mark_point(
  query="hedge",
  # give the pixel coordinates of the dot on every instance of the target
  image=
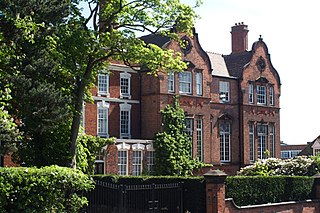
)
(252, 190)
(194, 197)
(47, 189)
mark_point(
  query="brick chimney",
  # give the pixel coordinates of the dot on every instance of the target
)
(239, 35)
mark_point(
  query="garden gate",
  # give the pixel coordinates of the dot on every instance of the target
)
(146, 198)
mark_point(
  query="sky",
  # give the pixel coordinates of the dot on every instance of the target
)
(290, 28)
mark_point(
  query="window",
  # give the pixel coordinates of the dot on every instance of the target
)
(99, 164)
(83, 116)
(171, 82)
(271, 94)
(189, 130)
(262, 140)
(224, 91)
(123, 158)
(136, 162)
(125, 127)
(251, 94)
(185, 82)
(123, 162)
(284, 154)
(261, 94)
(103, 109)
(251, 138)
(271, 134)
(199, 83)
(103, 84)
(125, 85)
(150, 161)
(199, 140)
(224, 130)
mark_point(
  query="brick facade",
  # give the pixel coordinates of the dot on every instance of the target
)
(207, 108)
(217, 99)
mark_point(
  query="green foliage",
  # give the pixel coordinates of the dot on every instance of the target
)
(88, 147)
(173, 145)
(194, 188)
(298, 166)
(50, 42)
(252, 190)
(48, 189)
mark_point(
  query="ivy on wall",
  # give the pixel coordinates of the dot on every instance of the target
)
(173, 145)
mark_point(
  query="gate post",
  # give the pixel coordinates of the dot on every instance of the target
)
(215, 191)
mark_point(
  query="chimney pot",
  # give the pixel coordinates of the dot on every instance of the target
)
(239, 37)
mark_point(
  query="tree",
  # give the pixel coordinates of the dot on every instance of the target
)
(40, 97)
(173, 145)
(80, 45)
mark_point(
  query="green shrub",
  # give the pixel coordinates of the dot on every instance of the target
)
(298, 166)
(252, 190)
(48, 189)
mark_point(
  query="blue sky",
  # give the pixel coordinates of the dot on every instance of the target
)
(291, 31)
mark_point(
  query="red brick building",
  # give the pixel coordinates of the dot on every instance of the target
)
(231, 104)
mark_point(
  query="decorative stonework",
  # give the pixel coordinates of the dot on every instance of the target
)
(261, 64)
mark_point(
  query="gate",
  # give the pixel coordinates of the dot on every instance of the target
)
(147, 198)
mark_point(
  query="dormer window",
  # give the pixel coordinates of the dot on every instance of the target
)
(198, 83)
(185, 82)
(125, 85)
(271, 95)
(171, 82)
(224, 92)
(261, 95)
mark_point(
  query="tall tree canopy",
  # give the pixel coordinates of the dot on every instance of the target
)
(58, 44)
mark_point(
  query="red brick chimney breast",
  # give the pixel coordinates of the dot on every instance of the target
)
(239, 36)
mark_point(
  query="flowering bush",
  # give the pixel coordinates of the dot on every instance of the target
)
(298, 166)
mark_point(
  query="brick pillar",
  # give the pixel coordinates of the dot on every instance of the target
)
(316, 186)
(215, 191)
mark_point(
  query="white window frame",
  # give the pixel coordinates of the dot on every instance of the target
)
(262, 130)
(198, 83)
(125, 108)
(224, 91)
(285, 154)
(103, 107)
(100, 159)
(83, 117)
(125, 89)
(150, 159)
(271, 95)
(261, 95)
(123, 148)
(252, 142)
(251, 93)
(199, 129)
(272, 139)
(137, 160)
(185, 82)
(171, 82)
(103, 84)
(225, 141)
(189, 122)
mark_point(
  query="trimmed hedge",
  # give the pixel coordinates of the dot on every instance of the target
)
(194, 187)
(47, 189)
(252, 190)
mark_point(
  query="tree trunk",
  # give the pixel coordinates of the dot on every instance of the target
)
(77, 114)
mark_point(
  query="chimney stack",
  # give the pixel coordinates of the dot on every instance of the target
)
(239, 34)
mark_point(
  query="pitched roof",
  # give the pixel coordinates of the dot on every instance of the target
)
(218, 64)
(156, 39)
(236, 62)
